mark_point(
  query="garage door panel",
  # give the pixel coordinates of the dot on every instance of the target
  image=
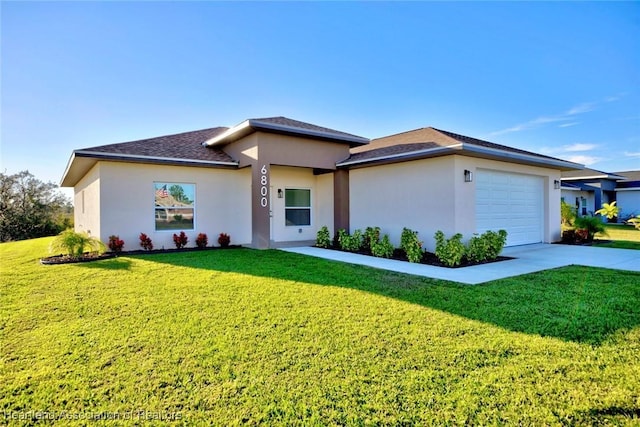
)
(513, 202)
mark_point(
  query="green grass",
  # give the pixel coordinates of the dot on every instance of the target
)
(268, 337)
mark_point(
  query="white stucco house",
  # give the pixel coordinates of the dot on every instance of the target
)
(275, 181)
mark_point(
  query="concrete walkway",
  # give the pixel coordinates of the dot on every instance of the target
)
(529, 259)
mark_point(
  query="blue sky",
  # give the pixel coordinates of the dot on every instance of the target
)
(561, 79)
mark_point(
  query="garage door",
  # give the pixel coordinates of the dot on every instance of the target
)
(511, 202)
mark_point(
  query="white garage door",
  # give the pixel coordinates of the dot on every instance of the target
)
(511, 202)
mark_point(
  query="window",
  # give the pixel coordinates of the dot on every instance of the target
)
(297, 207)
(174, 206)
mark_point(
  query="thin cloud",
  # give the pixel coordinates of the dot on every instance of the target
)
(565, 119)
(585, 160)
(566, 125)
(628, 154)
(585, 107)
(579, 147)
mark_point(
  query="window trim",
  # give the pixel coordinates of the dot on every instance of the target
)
(193, 207)
(310, 207)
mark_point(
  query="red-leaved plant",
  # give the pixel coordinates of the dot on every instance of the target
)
(116, 244)
(224, 239)
(180, 240)
(202, 240)
(145, 242)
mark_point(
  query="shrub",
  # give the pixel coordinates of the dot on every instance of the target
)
(145, 242)
(177, 217)
(477, 249)
(116, 244)
(75, 244)
(591, 224)
(224, 239)
(350, 243)
(371, 236)
(382, 248)
(202, 240)
(323, 238)
(567, 213)
(410, 244)
(180, 240)
(495, 242)
(451, 251)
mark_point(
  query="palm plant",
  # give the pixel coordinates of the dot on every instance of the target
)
(610, 210)
(75, 244)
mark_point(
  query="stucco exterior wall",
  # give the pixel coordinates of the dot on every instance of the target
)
(127, 202)
(417, 194)
(430, 194)
(86, 203)
(629, 202)
(321, 187)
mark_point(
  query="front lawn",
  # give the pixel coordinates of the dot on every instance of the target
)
(274, 338)
(620, 232)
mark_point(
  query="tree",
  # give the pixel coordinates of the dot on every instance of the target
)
(178, 193)
(30, 208)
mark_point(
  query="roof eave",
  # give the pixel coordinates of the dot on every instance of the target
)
(466, 149)
(68, 181)
(249, 126)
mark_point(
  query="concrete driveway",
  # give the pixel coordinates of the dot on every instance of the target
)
(529, 259)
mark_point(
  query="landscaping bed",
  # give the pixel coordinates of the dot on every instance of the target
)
(93, 256)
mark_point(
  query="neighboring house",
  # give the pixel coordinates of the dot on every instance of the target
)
(628, 194)
(275, 181)
(589, 189)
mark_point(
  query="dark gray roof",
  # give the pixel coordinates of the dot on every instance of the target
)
(184, 146)
(286, 122)
(285, 126)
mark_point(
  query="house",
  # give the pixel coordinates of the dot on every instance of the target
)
(275, 181)
(588, 189)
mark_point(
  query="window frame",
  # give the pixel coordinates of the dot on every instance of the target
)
(310, 207)
(157, 186)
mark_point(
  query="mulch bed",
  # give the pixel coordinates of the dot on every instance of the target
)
(89, 257)
(429, 258)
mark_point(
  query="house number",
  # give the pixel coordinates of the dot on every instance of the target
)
(263, 186)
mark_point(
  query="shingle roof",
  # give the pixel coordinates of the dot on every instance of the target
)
(284, 121)
(285, 126)
(184, 146)
(432, 141)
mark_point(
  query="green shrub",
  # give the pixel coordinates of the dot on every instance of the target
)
(496, 242)
(451, 251)
(350, 243)
(323, 238)
(591, 224)
(477, 249)
(382, 248)
(411, 245)
(567, 213)
(371, 237)
(75, 244)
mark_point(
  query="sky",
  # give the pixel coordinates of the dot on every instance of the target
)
(561, 79)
